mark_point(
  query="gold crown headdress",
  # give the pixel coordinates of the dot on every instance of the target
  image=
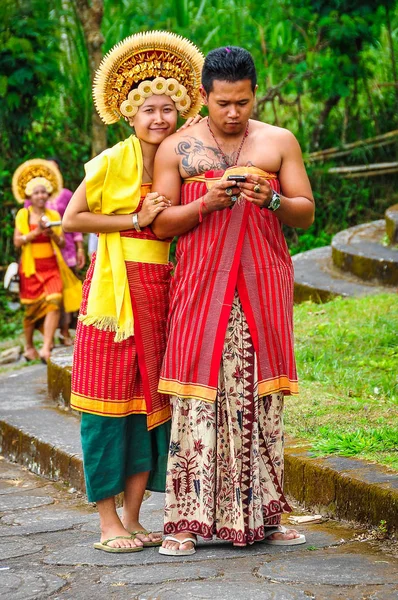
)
(172, 62)
(36, 172)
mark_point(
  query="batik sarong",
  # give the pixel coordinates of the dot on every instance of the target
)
(225, 467)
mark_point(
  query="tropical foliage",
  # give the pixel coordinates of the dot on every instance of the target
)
(326, 70)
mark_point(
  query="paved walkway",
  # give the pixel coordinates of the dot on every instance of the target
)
(47, 532)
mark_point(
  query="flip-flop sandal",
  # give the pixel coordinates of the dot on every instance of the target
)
(281, 529)
(104, 545)
(146, 544)
(178, 552)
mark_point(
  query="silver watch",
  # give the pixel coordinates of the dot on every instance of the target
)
(275, 201)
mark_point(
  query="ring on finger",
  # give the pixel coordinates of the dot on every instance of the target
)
(234, 198)
(155, 200)
(257, 188)
(228, 191)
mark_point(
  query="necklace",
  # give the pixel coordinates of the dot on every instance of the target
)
(218, 145)
(147, 172)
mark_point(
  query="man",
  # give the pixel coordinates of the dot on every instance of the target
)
(229, 360)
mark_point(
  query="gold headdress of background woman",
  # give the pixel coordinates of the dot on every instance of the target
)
(160, 63)
(36, 172)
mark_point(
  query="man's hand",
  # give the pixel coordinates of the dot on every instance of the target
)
(153, 204)
(222, 194)
(257, 190)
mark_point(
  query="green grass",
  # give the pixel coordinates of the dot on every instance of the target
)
(10, 321)
(347, 359)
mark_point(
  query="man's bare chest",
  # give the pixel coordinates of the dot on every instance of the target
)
(197, 157)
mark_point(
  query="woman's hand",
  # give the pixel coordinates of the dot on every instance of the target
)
(189, 122)
(153, 204)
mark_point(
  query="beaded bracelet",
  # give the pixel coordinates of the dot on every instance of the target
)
(201, 206)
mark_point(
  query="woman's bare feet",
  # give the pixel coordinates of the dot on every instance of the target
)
(65, 338)
(31, 354)
(143, 535)
(116, 531)
(44, 355)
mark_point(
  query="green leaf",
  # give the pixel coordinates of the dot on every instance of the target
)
(3, 85)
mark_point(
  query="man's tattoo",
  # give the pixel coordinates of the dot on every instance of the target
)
(198, 158)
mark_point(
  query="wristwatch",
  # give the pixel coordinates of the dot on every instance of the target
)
(275, 201)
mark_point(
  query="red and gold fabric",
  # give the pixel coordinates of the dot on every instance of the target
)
(41, 290)
(120, 378)
(243, 248)
(43, 271)
(225, 477)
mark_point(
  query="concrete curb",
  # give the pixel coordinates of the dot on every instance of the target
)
(343, 488)
(40, 457)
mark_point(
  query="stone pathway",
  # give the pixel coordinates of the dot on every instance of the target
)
(47, 532)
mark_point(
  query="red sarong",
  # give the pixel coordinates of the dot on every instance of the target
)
(120, 379)
(241, 248)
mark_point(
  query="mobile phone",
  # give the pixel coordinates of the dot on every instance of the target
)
(236, 178)
(52, 224)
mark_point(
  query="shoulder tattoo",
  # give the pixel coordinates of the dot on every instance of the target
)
(197, 158)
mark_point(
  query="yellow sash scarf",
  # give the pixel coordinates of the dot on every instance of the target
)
(113, 182)
(72, 286)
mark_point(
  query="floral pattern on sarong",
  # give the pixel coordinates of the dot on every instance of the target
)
(225, 468)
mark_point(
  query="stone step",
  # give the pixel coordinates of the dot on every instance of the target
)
(316, 278)
(360, 251)
(391, 218)
(59, 369)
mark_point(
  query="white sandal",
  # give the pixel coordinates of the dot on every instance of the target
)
(281, 529)
(178, 552)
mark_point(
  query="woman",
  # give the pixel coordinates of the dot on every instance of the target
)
(43, 273)
(148, 79)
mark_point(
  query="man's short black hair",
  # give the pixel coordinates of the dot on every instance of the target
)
(229, 63)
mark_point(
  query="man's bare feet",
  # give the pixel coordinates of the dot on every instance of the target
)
(280, 536)
(119, 530)
(170, 545)
(289, 534)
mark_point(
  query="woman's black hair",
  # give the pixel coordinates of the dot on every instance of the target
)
(229, 63)
(53, 159)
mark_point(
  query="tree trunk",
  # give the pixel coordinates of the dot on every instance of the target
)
(90, 15)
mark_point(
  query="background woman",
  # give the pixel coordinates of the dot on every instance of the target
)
(120, 339)
(40, 277)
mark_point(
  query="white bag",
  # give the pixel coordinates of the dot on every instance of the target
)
(11, 278)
